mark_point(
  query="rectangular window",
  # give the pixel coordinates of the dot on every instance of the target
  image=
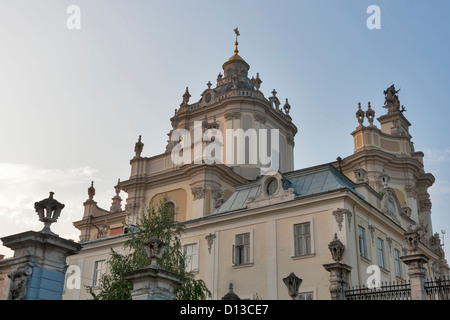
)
(305, 296)
(302, 239)
(241, 249)
(398, 266)
(362, 241)
(191, 257)
(381, 261)
(99, 271)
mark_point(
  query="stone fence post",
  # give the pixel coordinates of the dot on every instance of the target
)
(339, 272)
(415, 262)
(37, 269)
(153, 282)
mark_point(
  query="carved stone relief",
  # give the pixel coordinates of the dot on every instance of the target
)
(263, 198)
(198, 192)
(339, 216)
(210, 240)
(19, 279)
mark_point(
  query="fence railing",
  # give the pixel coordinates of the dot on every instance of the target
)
(438, 289)
(386, 291)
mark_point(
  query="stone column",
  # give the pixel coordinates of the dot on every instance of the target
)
(415, 262)
(417, 274)
(339, 272)
(153, 282)
(37, 269)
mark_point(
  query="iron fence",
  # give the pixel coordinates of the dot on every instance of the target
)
(438, 289)
(386, 291)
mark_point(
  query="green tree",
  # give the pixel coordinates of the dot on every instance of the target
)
(156, 222)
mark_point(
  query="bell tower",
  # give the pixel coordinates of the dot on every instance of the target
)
(385, 159)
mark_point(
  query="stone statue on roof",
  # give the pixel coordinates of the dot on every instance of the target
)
(391, 102)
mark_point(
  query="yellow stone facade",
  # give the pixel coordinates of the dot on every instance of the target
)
(369, 199)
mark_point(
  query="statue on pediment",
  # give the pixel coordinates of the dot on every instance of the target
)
(391, 102)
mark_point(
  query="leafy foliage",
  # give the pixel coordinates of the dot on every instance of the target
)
(155, 222)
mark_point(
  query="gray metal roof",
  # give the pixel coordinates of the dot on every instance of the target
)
(305, 182)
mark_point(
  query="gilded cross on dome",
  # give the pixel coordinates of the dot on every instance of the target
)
(236, 42)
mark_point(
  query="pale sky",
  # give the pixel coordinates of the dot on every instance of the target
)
(73, 102)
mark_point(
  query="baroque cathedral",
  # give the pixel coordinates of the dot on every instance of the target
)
(250, 228)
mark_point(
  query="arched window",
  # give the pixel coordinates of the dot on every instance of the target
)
(171, 207)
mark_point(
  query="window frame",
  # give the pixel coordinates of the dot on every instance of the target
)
(249, 258)
(195, 253)
(98, 273)
(381, 253)
(305, 294)
(362, 242)
(397, 263)
(304, 244)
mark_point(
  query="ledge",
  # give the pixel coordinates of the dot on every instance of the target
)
(306, 256)
(365, 259)
(244, 265)
(384, 270)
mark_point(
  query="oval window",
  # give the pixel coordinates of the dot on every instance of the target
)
(272, 186)
(208, 97)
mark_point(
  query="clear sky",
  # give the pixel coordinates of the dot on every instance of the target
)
(74, 101)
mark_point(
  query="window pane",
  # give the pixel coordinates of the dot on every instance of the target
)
(306, 228)
(242, 249)
(307, 244)
(239, 240)
(190, 256)
(305, 296)
(99, 270)
(362, 241)
(302, 239)
(297, 230)
(398, 269)
(380, 253)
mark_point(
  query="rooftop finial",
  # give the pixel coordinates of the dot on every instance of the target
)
(236, 42)
(138, 147)
(91, 191)
(48, 210)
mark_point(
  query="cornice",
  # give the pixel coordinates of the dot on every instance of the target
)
(185, 172)
(221, 107)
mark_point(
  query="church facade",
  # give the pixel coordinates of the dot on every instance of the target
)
(251, 219)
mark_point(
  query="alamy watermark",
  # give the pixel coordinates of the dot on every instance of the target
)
(73, 277)
(242, 147)
(374, 280)
(374, 20)
(73, 21)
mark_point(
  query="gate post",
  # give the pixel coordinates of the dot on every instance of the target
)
(416, 273)
(38, 267)
(415, 262)
(339, 272)
(153, 282)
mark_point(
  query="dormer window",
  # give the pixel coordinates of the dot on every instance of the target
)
(271, 186)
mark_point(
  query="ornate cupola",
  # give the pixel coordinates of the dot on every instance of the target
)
(237, 103)
(235, 73)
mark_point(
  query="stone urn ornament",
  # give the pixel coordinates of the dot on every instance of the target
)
(155, 249)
